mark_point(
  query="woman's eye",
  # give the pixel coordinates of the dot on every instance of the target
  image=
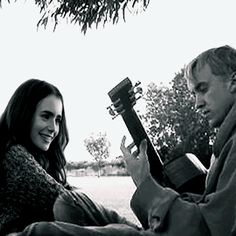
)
(58, 120)
(45, 116)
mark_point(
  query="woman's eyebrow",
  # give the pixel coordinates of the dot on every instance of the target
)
(51, 113)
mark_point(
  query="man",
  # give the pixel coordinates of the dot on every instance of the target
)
(163, 211)
(212, 79)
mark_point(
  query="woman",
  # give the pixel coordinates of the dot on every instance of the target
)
(32, 142)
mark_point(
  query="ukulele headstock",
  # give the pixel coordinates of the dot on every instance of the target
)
(124, 96)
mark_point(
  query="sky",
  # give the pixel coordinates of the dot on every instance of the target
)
(151, 46)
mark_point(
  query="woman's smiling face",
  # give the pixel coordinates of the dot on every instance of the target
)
(46, 122)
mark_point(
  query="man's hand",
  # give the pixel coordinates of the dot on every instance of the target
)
(136, 163)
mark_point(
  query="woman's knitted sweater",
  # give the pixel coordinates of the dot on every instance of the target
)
(27, 192)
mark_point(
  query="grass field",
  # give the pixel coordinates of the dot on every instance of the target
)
(112, 192)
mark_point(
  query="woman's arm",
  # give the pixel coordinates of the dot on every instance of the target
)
(29, 192)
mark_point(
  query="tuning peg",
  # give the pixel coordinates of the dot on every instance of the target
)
(112, 112)
(137, 83)
(136, 93)
(139, 90)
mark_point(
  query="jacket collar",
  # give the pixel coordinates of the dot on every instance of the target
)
(225, 131)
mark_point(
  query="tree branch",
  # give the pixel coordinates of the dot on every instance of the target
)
(86, 12)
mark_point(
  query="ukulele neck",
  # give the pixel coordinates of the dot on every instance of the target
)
(138, 133)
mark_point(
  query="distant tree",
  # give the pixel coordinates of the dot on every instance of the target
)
(119, 162)
(173, 123)
(87, 12)
(77, 165)
(98, 146)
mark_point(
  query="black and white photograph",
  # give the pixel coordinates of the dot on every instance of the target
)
(117, 118)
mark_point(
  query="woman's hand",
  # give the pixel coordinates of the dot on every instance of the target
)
(136, 163)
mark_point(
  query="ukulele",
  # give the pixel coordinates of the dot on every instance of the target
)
(185, 173)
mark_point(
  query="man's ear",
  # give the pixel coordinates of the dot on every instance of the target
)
(232, 82)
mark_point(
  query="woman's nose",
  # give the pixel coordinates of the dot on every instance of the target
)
(52, 125)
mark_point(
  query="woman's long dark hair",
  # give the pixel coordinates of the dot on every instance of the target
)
(16, 120)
